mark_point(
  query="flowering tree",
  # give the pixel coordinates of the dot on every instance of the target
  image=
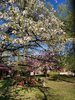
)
(28, 26)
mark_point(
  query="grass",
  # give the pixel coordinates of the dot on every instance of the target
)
(57, 88)
(64, 90)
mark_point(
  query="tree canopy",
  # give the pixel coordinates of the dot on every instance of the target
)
(29, 25)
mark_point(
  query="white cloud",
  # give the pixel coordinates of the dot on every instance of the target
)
(56, 1)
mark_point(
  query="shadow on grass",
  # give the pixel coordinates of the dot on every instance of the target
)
(4, 98)
(48, 94)
(38, 76)
(70, 79)
(4, 89)
(44, 91)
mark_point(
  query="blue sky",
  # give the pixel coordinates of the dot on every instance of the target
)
(3, 21)
(55, 2)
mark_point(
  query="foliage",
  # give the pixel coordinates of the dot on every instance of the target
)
(66, 13)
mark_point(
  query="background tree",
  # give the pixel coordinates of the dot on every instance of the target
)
(66, 14)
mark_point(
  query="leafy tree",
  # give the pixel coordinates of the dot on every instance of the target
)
(66, 14)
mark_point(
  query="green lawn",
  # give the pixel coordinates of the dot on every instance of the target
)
(63, 88)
